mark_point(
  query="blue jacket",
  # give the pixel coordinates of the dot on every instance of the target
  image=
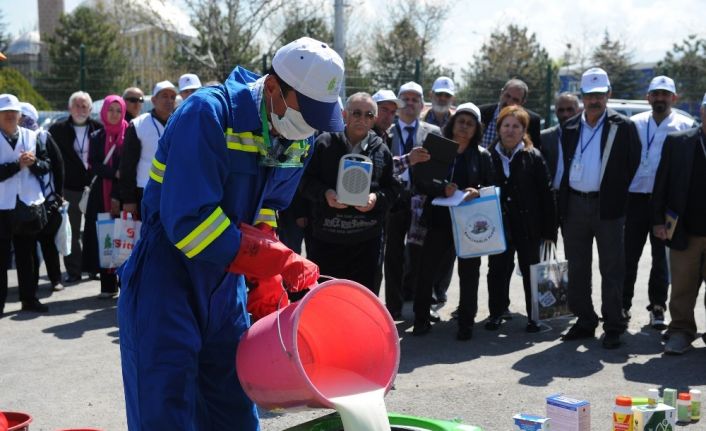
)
(206, 177)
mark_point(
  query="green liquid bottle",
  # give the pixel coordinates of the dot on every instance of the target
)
(695, 404)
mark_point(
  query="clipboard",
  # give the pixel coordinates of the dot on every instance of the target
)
(443, 151)
(670, 222)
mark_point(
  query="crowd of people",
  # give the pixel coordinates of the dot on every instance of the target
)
(595, 175)
(229, 184)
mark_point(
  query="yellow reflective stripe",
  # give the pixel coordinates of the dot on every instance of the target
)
(244, 141)
(267, 216)
(157, 171)
(204, 234)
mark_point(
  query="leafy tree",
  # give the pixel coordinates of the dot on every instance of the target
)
(405, 48)
(12, 81)
(509, 53)
(4, 38)
(227, 32)
(614, 57)
(105, 63)
(686, 64)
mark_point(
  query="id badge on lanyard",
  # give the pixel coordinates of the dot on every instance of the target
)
(576, 172)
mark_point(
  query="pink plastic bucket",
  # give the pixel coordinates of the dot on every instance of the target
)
(338, 340)
(17, 421)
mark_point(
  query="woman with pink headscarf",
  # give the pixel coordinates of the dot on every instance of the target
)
(104, 194)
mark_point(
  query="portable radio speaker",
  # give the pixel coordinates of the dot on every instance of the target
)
(353, 185)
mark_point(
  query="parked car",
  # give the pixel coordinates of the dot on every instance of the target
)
(47, 118)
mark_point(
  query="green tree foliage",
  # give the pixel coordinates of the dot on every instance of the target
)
(227, 30)
(12, 81)
(105, 63)
(614, 57)
(686, 64)
(509, 53)
(4, 37)
(404, 51)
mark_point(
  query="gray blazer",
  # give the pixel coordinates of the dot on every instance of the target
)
(550, 148)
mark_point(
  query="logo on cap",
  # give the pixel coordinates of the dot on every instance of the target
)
(331, 85)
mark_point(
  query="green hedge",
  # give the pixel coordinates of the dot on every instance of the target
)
(11, 81)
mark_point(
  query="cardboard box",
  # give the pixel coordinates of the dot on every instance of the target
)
(568, 414)
(658, 418)
(525, 422)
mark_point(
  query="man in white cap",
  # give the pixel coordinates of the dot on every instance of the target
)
(230, 157)
(442, 98)
(679, 218)
(140, 144)
(21, 162)
(652, 128)
(188, 83)
(388, 104)
(406, 135)
(601, 153)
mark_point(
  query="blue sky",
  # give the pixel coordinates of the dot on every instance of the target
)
(647, 26)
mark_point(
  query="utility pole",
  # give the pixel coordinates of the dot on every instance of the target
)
(339, 38)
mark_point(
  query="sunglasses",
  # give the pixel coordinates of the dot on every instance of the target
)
(357, 114)
(134, 99)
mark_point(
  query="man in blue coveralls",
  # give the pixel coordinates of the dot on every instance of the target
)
(231, 156)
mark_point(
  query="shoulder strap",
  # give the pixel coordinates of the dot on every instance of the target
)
(608, 148)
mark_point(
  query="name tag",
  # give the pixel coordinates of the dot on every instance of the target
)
(576, 171)
(645, 170)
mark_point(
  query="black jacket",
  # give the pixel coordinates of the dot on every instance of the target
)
(487, 112)
(56, 160)
(527, 202)
(478, 171)
(347, 225)
(620, 168)
(76, 174)
(672, 182)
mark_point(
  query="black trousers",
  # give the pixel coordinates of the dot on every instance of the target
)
(637, 228)
(25, 247)
(48, 246)
(500, 268)
(357, 262)
(436, 252)
(583, 223)
(395, 232)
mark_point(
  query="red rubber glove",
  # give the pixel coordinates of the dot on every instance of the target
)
(265, 296)
(261, 256)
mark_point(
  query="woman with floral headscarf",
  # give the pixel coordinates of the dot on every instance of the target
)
(105, 194)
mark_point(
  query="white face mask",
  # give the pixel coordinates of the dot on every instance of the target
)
(292, 125)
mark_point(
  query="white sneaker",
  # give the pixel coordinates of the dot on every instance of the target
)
(657, 318)
(58, 287)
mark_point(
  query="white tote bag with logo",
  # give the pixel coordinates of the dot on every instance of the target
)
(478, 225)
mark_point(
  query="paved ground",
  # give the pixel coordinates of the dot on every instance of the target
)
(63, 368)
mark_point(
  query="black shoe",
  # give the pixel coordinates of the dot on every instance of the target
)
(70, 279)
(421, 327)
(626, 315)
(434, 316)
(464, 334)
(657, 318)
(577, 333)
(493, 323)
(94, 276)
(611, 340)
(532, 327)
(506, 315)
(35, 306)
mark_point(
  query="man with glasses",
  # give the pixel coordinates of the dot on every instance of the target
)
(134, 100)
(407, 135)
(346, 240)
(566, 106)
(601, 154)
(513, 93)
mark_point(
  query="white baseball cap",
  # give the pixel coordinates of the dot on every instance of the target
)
(387, 96)
(444, 84)
(9, 102)
(471, 108)
(662, 83)
(163, 85)
(412, 87)
(189, 81)
(315, 71)
(595, 80)
(28, 110)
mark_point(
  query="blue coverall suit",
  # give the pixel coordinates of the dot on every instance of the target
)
(180, 312)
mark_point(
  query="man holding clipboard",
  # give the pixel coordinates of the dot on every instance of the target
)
(679, 217)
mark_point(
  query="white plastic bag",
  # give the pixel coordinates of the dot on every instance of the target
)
(478, 225)
(62, 240)
(126, 233)
(550, 285)
(104, 230)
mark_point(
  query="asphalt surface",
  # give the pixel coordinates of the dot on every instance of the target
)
(63, 367)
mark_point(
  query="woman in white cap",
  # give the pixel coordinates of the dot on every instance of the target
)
(471, 170)
(21, 165)
(528, 211)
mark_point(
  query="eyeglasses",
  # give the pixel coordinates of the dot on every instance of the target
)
(134, 99)
(357, 114)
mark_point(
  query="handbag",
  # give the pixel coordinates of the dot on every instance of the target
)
(83, 203)
(550, 285)
(478, 225)
(28, 219)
